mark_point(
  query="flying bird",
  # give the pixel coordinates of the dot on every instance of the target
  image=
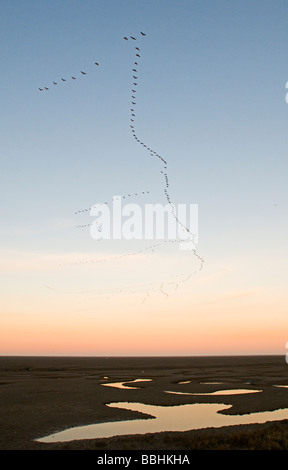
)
(83, 73)
(134, 91)
(41, 89)
(73, 78)
(63, 79)
(143, 34)
(135, 77)
(137, 55)
(54, 83)
(46, 88)
(126, 39)
(136, 63)
(132, 102)
(134, 70)
(133, 38)
(137, 48)
(96, 63)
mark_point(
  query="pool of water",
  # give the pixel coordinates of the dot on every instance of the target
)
(124, 384)
(165, 418)
(203, 383)
(219, 392)
(211, 383)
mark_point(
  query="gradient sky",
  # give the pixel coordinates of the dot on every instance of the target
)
(211, 101)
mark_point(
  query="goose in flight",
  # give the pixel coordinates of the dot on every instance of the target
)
(83, 73)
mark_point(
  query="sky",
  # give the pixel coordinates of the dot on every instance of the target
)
(211, 89)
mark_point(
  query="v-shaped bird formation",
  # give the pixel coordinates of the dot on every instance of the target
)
(135, 77)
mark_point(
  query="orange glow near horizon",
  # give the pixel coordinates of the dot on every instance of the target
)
(220, 311)
(152, 328)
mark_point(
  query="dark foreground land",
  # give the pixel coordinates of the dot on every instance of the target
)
(42, 395)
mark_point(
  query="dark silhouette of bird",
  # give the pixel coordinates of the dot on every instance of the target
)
(134, 97)
(143, 34)
(135, 77)
(137, 48)
(134, 70)
(136, 63)
(96, 63)
(134, 91)
(46, 88)
(133, 103)
(135, 84)
(41, 89)
(73, 78)
(54, 83)
(137, 55)
(133, 38)
(83, 73)
(133, 115)
(126, 39)
(63, 79)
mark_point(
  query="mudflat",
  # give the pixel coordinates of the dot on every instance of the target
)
(43, 395)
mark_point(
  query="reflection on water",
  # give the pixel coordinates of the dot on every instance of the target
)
(219, 392)
(202, 383)
(211, 383)
(123, 384)
(165, 418)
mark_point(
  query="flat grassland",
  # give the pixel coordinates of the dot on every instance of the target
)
(42, 395)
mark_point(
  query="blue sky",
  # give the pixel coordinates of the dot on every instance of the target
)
(210, 100)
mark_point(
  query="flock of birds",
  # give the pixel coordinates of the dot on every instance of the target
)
(123, 255)
(46, 88)
(152, 153)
